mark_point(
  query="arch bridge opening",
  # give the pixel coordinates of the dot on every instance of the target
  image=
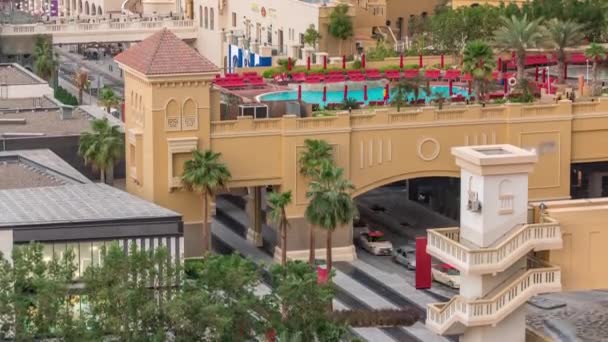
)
(396, 213)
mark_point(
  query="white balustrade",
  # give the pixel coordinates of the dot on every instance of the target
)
(127, 27)
(440, 316)
(444, 244)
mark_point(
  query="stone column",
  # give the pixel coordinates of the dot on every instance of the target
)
(254, 212)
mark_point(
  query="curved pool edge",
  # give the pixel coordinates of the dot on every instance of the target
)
(258, 97)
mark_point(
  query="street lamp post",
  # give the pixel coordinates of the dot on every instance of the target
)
(548, 82)
(587, 78)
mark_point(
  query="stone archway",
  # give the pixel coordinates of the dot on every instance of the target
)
(86, 8)
(99, 12)
(93, 9)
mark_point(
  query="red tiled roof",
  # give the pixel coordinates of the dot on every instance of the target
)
(163, 53)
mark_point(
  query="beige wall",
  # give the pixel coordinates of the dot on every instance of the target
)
(374, 148)
(585, 235)
(405, 9)
(460, 3)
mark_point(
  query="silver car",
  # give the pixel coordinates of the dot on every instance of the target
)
(405, 256)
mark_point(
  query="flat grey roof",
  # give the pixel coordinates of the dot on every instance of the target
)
(15, 174)
(13, 74)
(36, 168)
(44, 123)
(28, 103)
(74, 204)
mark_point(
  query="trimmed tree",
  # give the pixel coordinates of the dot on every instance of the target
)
(562, 35)
(102, 147)
(277, 201)
(595, 53)
(310, 161)
(340, 24)
(81, 82)
(205, 174)
(312, 36)
(330, 203)
(518, 35)
(478, 60)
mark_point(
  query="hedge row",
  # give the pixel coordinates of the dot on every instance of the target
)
(271, 72)
(65, 97)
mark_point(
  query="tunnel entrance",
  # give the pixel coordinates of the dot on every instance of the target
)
(589, 180)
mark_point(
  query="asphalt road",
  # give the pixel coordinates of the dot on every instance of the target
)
(394, 200)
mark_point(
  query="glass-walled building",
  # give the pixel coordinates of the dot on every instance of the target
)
(45, 200)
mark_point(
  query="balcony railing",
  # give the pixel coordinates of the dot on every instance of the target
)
(95, 27)
(445, 245)
(442, 316)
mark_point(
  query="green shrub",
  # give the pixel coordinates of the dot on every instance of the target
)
(350, 103)
(411, 66)
(357, 64)
(283, 63)
(388, 67)
(380, 52)
(65, 97)
(269, 73)
(322, 114)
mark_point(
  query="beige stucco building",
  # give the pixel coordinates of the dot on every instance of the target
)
(277, 27)
(171, 108)
(461, 3)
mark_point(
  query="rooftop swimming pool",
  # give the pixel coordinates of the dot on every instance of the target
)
(373, 94)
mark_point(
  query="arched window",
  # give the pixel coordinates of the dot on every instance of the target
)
(86, 8)
(211, 24)
(200, 16)
(189, 115)
(99, 12)
(505, 197)
(206, 17)
(93, 10)
(173, 116)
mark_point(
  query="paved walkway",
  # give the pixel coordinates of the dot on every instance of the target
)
(101, 66)
(352, 287)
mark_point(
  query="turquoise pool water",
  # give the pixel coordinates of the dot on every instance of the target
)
(337, 96)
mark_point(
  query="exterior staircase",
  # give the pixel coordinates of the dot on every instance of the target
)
(452, 317)
(445, 244)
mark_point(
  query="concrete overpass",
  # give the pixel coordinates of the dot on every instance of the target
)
(100, 32)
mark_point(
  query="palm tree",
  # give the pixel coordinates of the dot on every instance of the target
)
(205, 174)
(331, 204)
(315, 154)
(277, 201)
(477, 59)
(45, 64)
(401, 94)
(102, 147)
(81, 82)
(439, 99)
(562, 35)
(519, 34)
(596, 53)
(108, 98)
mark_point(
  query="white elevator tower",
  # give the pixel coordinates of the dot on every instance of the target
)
(491, 248)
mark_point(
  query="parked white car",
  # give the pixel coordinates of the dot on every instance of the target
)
(375, 243)
(406, 256)
(446, 274)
